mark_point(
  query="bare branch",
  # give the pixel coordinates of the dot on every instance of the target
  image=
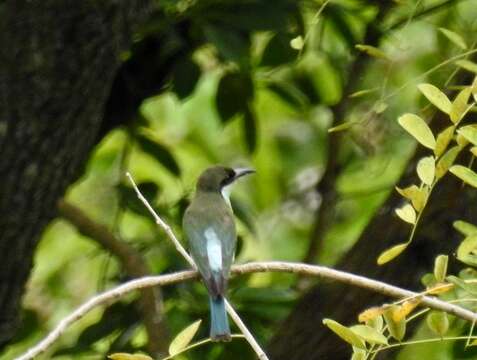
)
(324, 272)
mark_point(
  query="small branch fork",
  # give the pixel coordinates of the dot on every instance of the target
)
(324, 272)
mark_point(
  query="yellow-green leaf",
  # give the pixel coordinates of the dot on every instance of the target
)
(126, 356)
(446, 161)
(467, 250)
(426, 169)
(469, 132)
(341, 127)
(454, 37)
(297, 43)
(474, 89)
(443, 140)
(467, 65)
(418, 128)
(370, 314)
(440, 267)
(465, 228)
(400, 312)
(465, 174)
(183, 339)
(417, 196)
(406, 213)
(345, 333)
(461, 141)
(362, 92)
(397, 329)
(380, 107)
(436, 97)
(459, 105)
(369, 334)
(473, 150)
(371, 51)
(391, 253)
(438, 322)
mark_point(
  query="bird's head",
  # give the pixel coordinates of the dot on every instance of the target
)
(215, 178)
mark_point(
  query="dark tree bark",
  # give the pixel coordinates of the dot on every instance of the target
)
(303, 336)
(58, 59)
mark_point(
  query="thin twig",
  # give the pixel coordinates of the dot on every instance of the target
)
(324, 272)
(233, 314)
(167, 229)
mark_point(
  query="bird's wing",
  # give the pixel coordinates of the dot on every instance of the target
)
(212, 244)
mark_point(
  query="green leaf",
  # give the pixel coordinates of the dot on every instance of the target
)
(406, 213)
(418, 128)
(471, 288)
(250, 129)
(185, 75)
(234, 92)
(465, 174)
(358, 354)
(391, 253)
(426, 169)
(341, 127)
(184, 338)
(278, 51)
(443, 140)
(459, 105)
(469, 132)
(159, 152)
(467, 65)
(397, 329)
(446, 161)
(372, 51)
(454, 37)
(474, 89)
(417, 196)
(345, 333)
(440, 267)
(436, 97)
(369, 334)
(231, 44)
(297, 43)
(438, 322)
(467, 251)
(126, 356)
(465, 228)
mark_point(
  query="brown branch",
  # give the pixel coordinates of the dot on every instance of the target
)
(150, 302)
(115, 294)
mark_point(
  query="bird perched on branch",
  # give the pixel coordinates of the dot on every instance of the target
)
(209, 226)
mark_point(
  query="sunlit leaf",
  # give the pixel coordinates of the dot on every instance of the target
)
(369, 334)
(372, 51)
(465, 228)
(418, 128)
(370, 314)
(446, 161)
(400, 312)
(461, 141)
(465, 174)
(440, 267)
(426, 169)
(443, 140)
(454, 37)
(345, 333)
(474, 89)
(184, 338)
(417, 196)
(342, 127)
(467, 65)
(436, 97)
(391, 253)
(438, 322)
(469, 132)
(397, 329)
(467, 251)
(297, 43)
(126, 356)
(462, 284)
(473, 150)
(358, 354)
(459, 105)
(439, 288)
(406, 213)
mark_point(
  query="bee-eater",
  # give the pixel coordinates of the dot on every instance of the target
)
(209, 226)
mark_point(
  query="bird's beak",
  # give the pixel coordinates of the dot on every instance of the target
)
(239, 172)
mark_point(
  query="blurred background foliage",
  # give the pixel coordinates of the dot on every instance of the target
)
(255, 83)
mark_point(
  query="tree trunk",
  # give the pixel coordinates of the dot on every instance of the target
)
(58, 59)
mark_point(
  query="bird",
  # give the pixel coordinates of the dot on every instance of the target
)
(209, 227)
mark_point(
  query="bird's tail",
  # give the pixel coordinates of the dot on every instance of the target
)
(219, 323)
